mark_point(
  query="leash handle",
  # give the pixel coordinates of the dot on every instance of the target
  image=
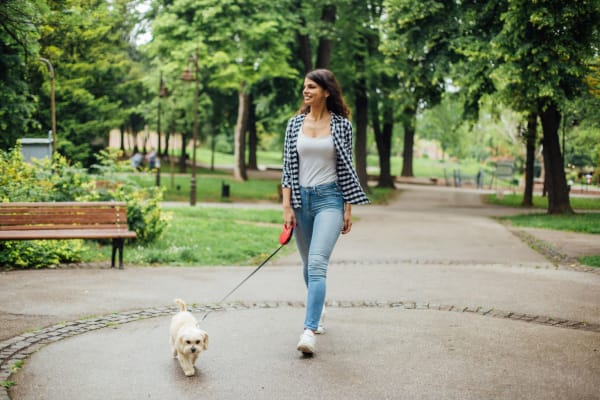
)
(245, 279)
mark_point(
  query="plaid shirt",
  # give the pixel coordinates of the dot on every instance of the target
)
(341, 131)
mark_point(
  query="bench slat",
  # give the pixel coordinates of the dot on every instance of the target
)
(68, 219)
(52, 234)
(62, 204)
(122, 226)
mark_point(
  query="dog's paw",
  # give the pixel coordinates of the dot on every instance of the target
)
(190, 372)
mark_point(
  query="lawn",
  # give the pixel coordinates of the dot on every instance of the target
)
(585, 220)
(201, 236)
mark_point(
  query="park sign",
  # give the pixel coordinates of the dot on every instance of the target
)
(505, 169)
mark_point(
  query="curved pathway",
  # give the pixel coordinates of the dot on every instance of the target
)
(428, 298)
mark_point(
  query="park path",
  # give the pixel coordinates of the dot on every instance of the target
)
(429, 298)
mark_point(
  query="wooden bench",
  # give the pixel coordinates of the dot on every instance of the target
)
(67, 220)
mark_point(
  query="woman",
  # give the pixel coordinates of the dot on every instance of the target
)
(319, 184)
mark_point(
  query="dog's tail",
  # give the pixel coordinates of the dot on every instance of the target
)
(181, 304)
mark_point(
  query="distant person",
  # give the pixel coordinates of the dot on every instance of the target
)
(136, 161)
(319, 184)
(151, 158)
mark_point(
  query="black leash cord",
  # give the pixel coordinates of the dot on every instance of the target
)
(245, 279)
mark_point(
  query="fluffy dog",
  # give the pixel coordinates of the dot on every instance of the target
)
(187, 340)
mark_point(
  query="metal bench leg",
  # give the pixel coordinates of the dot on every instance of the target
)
(121, 242)
(114, 252)
(117, 246)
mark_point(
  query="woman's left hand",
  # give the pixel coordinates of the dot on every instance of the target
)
(347, 220)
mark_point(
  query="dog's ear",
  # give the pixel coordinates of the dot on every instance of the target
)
(205, 342)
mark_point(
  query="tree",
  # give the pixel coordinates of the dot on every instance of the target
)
(88, 44)
(239, 44)
(544, 51)
(444, 124)
(19, 35)
(323, 32)
(418, 45)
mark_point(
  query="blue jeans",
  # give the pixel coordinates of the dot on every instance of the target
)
(319, 222)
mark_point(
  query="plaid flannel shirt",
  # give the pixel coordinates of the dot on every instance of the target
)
(341, 131)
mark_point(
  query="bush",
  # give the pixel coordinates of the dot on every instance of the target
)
(58, 180)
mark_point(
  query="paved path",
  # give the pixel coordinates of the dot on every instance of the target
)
(428, 297)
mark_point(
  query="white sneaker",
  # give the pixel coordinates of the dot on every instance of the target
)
(321, 329)
(307, 342)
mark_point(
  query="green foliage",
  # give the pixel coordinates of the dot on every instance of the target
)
(144, 213)
(61, 181)
(7, 384)
(40, 253)
(18, 41)
(591, 261)
(544, 50)
(95, 73)
(41, 181)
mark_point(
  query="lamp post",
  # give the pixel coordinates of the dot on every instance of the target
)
(189, 76)
(52, 104)
(162, 92)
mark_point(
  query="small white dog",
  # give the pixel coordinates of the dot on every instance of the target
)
(187, 340)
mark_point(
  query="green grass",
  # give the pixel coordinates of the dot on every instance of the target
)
(515, 200)
(199, 236)
(587, 221)
(582, 223)
(208, 187)
(592, 261)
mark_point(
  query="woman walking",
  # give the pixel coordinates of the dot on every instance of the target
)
(319, 185)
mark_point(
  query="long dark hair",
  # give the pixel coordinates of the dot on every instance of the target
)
(335, 102)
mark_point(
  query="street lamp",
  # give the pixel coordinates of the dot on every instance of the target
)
(52, 105)
(189, 76)
(162, 92)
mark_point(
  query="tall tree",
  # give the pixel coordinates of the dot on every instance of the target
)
(239, 45)
(88, 44)
(544, 52)
(530, 136)
(418, 42)
(19, 22)
(314, 28)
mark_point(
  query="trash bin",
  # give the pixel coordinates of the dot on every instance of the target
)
(38, 148)
(224, 190)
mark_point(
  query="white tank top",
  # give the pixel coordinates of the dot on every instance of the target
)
(317, 160)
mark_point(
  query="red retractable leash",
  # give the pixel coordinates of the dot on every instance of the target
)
(284, 238)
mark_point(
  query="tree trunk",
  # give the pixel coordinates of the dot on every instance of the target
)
(361, 117)
(304, 53)
(530, 140)
(558, 191)
(385, 167)
(326, 40)
(383, 140)
(122, 138)
(239, 139)
(252, 137)
(183, 157)
(158, 148)
(166, 149)
(409, 141)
